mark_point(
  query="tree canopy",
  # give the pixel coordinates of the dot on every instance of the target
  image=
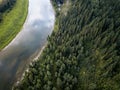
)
(83, 54)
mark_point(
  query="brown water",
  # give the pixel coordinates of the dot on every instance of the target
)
(17, 55)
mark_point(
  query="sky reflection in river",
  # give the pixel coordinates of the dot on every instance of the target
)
(38, 26)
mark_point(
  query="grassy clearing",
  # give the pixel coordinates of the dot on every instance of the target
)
(0, 1)
(63, 11)
(65, 7)
(12, 22)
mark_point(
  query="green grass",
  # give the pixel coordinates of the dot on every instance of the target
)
(0, 1)
(12, 22)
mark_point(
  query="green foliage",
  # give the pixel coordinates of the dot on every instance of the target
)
(84, 54)
(6, 4)
(12, 21)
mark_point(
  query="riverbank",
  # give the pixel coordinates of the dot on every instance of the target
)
(34, 58)
(12, 22)
(40, 53)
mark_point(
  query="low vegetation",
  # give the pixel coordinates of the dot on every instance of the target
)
(12, 16)
(84, 54)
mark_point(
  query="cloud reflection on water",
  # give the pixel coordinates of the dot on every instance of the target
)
(38, 26)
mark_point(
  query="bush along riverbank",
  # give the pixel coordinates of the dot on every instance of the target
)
(83, 54)
(6, 4)
(12, 20)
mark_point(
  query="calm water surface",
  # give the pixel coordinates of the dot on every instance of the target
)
(17, 55)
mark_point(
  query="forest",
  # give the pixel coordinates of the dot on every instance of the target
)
(83, 53)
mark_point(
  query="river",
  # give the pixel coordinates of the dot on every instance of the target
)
(27, 44)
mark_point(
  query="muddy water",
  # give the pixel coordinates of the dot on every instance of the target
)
(16, 56)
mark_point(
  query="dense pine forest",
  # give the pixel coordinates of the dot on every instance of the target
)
(83, 52)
